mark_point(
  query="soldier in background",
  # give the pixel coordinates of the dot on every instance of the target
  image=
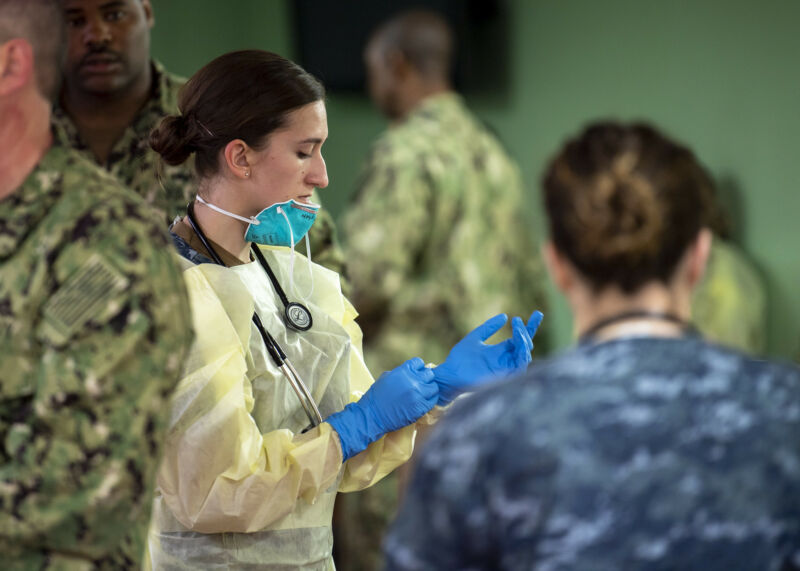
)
(94, 326)
(643, 447)
(114, 94)
(436, 235)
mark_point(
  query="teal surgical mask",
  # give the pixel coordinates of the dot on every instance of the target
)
(281, 224)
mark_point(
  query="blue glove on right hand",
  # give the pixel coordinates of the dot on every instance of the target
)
(472, 362)
(398, 398)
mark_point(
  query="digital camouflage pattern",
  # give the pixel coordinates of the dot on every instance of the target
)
(729, 305)
(170, 188)
(437, 239)
(437, 243)
(94, 326)
(631, 454)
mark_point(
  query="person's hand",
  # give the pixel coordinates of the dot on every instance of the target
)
(472, 362)
(398, 398)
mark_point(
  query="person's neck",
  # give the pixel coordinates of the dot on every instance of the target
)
(223, 230)
(25, 137)
(647, 308)
(419, 93)
(102, 118)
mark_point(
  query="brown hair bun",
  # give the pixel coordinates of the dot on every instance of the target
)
(172, 139)
(624, 202)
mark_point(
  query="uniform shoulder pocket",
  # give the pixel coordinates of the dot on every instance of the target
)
(89, 293)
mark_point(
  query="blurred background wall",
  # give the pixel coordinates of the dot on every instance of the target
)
(720, 75)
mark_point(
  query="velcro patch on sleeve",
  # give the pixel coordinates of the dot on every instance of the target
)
(86, 294)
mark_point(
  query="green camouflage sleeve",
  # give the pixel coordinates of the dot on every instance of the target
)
(99, 334)
(386, 230)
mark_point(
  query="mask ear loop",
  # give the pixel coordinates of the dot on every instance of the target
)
(291, 258)
(252, 220)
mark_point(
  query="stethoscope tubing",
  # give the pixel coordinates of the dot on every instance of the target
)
(306, 321)
(287, 369)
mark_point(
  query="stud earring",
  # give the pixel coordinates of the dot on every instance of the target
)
(246, 173)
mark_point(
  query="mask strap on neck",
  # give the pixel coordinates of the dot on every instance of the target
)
(291, 257)
(310, 271)
(291, 240)
(252, 220)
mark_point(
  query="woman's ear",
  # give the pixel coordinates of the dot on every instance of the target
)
(559, 269)
(235, 154)
(699, 251)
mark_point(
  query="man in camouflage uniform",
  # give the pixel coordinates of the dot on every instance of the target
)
(436, 237)
(114, 95)
(94, 327)
(636, 453)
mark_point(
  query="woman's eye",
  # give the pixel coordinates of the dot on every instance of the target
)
(302, 155)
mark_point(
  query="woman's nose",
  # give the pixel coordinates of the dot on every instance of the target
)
(319, 174)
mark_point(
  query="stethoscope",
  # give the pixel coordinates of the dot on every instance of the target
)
(296, 315)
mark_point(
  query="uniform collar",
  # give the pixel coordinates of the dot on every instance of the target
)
(436, 105)
(29, 204)
(182, 230)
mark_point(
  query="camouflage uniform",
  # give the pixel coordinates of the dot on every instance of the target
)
(437, 243)
(638, 453)
(94, 326)
(170, 188)
(730, 306)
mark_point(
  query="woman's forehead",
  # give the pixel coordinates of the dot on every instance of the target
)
(308, 121)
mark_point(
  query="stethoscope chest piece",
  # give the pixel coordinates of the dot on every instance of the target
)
(298, 317)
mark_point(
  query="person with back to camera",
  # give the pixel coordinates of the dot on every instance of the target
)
(643, 447)
(94, 327)
(276, 411)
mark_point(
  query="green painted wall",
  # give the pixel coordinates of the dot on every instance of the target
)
(721, 75)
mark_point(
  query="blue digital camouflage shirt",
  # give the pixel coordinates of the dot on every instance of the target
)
(640, 453)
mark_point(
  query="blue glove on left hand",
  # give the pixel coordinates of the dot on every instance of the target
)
(472, 362)
(398, 398)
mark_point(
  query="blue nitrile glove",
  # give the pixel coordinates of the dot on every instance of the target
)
(472, 362)
(398, 398)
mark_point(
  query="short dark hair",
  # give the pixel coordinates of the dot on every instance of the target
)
(43, 25)
(423, 37)
(624, 202)
(240, 95)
